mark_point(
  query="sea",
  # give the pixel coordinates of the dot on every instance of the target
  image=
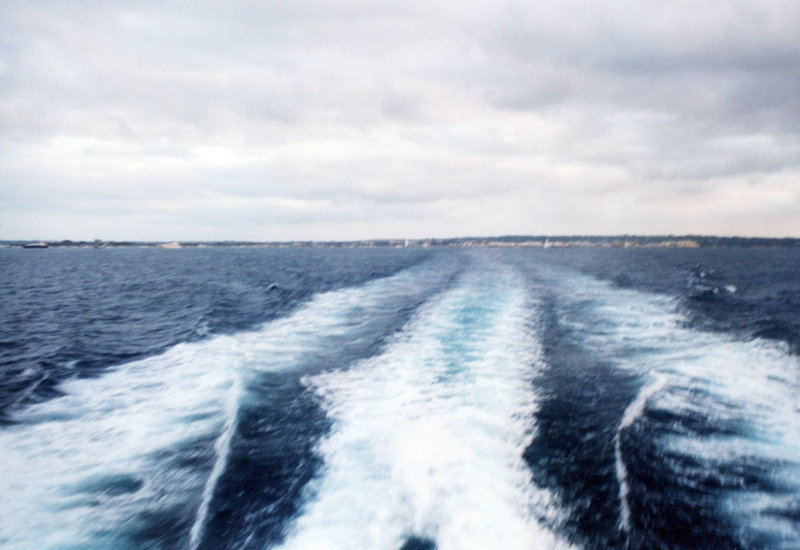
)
(399, 399)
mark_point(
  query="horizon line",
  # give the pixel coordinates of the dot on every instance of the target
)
(442, 240)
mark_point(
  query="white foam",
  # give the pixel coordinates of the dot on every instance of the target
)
(631, 414)
(108, 427)
(222, 449)
(428, 438)
(131, 420)
(750, 384)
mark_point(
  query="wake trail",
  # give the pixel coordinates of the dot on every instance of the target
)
(707, 452)
(428, 437)
(151, 440)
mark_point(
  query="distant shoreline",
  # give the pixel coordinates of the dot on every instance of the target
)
(622, 241)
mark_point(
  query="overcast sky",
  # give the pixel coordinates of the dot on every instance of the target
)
(324, 119)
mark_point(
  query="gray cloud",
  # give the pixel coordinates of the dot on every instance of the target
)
(262, 120)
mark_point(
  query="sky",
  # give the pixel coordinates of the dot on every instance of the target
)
(349, 119)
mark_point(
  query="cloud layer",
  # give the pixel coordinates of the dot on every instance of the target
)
(354, 119)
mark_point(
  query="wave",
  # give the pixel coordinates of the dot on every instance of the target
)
(706, 451)
(124, 459)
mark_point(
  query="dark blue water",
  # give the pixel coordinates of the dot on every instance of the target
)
(399, 398)
(78, 312)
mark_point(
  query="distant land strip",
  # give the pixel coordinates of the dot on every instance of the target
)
(622, 241)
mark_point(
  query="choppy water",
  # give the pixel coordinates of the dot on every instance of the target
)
(399, 399)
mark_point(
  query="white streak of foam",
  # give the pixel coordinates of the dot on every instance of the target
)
(222, 448)
(633, 412)
(428, 438)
